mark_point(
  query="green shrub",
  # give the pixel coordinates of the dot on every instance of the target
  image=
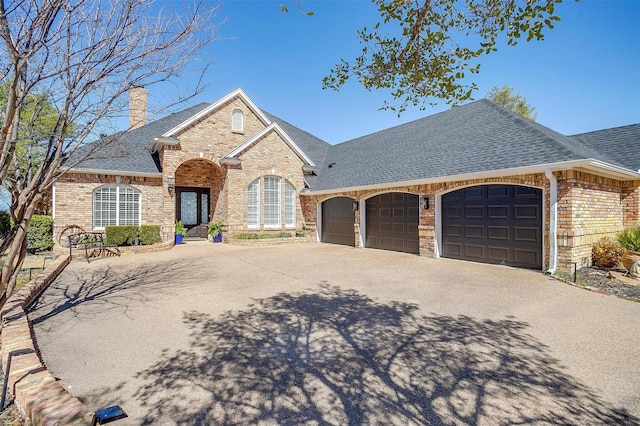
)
(126, 235)
(246, 236)
(121, 235)
(149, 234)
(630, 238)
(263, 236)
(5, 223)
(40, 233)
(606, 253)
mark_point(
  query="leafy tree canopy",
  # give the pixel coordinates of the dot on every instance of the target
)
(514, 102)
(37, 123)
(426, 49)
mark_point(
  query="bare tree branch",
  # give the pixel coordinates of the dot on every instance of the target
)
(81, 57)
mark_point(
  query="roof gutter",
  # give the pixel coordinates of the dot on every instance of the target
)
(591, 165)
(158, 143)
(112, 172)
(553, 222)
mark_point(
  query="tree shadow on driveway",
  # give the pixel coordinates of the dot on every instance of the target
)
(334, 356)
(110, 289)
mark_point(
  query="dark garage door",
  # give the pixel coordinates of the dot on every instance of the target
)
(392, 222)
(494, 224)
(338, 219)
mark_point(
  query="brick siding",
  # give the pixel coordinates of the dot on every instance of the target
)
(589, 207)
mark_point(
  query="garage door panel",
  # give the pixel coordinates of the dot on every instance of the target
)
(474, 231)
(525, 192)
(452, 249)
(453, 212)
(498, 232)
(338, 220)
(399, 213)
(476, 193)
(453, 231)
(392, 222)
(498, 212)
(497, 192)
(399, 228)
(474, 212)
(474, 251)
(499, 224)
(526, 212)
(526, 234)
(527, 256)
(497, 254)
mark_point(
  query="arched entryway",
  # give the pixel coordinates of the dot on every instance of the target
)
(198, 184)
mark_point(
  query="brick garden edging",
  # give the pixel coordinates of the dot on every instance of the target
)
(39, 397)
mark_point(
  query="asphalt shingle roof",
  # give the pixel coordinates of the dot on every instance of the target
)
(476, 137)
(131, 151)
(622, 144)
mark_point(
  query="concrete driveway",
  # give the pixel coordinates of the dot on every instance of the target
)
(324, 334)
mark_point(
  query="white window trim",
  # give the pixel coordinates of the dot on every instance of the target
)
(293, 206)
(117, 187)
(258, 182)
(278, 198)
(240, 114)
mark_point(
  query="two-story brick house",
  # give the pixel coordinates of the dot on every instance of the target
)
(475, 183)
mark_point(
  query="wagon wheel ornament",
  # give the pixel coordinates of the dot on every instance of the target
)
(68, 235)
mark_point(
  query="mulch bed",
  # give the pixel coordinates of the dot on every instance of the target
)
(596, 279)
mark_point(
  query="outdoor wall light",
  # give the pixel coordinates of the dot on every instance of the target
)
(170, 183)
(108, 415)
(354, 206)
(425, 203)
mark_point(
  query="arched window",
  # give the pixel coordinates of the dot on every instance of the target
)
(289, 205)
(237, 121)
(116, 205)
(253, 204)
(265, 198)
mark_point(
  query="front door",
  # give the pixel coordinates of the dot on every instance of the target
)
(192, 208)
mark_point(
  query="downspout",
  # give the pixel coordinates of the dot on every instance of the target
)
(553, 222)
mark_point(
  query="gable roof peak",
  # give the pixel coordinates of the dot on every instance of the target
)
(238, 93)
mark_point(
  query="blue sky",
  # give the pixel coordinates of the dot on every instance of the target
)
(584, 76)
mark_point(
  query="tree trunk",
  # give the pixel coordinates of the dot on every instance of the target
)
(16, 250)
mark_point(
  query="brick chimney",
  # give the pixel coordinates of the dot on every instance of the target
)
(137, 107)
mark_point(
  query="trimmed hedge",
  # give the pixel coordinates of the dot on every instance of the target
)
(150, 234)
(127, 235)
(256, 236)
(40, 233)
